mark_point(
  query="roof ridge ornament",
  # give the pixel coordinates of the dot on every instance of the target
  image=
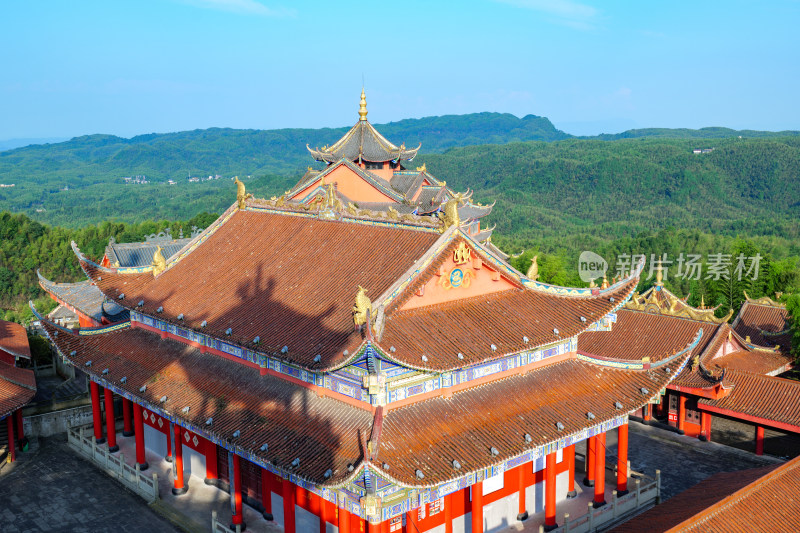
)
(159, 264)
(362, 108)
(362, 310)
(241, 194)
(764, 300)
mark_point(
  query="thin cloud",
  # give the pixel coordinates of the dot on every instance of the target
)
(564, 12)
(242, 7)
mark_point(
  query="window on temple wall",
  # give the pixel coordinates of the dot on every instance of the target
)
(493, 484)
(436, 506)
(396, 524)
(373, 166)
(692, 414)
(673, 403)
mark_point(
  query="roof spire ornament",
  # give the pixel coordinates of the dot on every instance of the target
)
(362, 108)
(659, 275)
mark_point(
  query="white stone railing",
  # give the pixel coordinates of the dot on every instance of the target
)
(114, 465)
(641, 495)
(219, 527)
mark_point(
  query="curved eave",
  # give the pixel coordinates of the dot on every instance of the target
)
(675, 365)
(581, 292)
(190, 424)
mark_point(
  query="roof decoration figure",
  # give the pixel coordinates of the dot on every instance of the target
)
(241, 195)
(159, 263)
(362, 310)
(533, 270)
(659, 300)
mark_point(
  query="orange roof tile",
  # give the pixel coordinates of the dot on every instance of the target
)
(430, 434)
(692, 502)
(765, 325)
(290, 280)
(14, 339)
(17, 388)
(636, 334)
(764, 397)
(292, 420)
(755, 361)
(769, 503)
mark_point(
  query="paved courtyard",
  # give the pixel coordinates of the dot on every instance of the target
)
(53, 489)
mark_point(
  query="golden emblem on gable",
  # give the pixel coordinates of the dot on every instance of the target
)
(462, 254)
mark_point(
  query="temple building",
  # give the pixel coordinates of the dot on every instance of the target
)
(729, 376)
(364, 368)
(17, 387)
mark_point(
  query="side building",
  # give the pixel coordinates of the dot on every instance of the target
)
(17, 387)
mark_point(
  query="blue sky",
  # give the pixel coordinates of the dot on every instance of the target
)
(130, 67)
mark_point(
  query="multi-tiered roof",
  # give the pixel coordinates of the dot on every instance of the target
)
(342, 345)
(367, 171)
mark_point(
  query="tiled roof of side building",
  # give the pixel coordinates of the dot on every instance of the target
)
(636, 335)
(763, 397)
(17, 387)
(766, 325)
(429, 435)
(766, 362)
(138, 254)
(681, 510)
(14, 339)
(85, 297)
(292, 420)
(290, 280)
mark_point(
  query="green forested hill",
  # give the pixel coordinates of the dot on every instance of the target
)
(686, 133)
(54, 183)
(603, 190)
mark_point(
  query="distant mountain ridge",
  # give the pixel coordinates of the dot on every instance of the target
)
(80, 181)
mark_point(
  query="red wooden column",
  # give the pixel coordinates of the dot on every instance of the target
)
(477, 506)
(344, 516)
(622, 460)
(177, 465)
(759, 440)
(323, 513)
(211, 463)
(266, 492)
(20, 431)
(97, 420)
(600, 471)
(138, 426)
(373, 528)
(569, 455)
(550, 492)
(288, 506)
(448, 515)
(681, 413)
(591, 445)
(646, 413)
(12, 449)
(111, 430)
(127, 429)
(235, 476)
(522, 511)
(705, 427)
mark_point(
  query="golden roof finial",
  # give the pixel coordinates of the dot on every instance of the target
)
(362, 109)
(702, 301)
(659, 274)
